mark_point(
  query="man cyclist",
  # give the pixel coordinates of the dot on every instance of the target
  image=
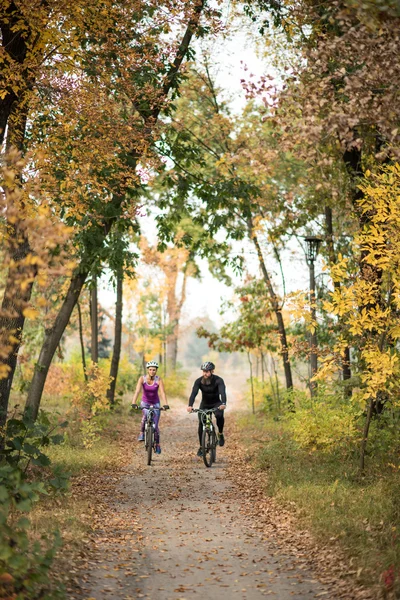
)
(213, 395)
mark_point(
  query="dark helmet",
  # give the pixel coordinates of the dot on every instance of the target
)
(207, 366)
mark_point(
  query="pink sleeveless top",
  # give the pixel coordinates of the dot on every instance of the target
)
(150, 392)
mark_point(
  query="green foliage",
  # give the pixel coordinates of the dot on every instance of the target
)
(325, 423)
(176, 384)
(90, 430)
(252, 329)
(268, 396)
(128, 374)
(25, 477)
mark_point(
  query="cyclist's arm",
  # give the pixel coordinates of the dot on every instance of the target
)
(222, 391)
(195, 391)
(162, 391)
(137, 391)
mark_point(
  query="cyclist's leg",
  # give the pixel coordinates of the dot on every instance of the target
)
(157, 415)
(200, 429)
(219, 415)
(144, 418)
(220, 418)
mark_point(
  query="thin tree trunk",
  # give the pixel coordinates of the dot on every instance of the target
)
(365, 434)
(262, 367)
(94, 321)
(276, 308)
(51, 341)
(251, 383)
(81, 341)
(117, 340)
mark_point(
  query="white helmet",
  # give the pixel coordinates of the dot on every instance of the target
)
(152, 363)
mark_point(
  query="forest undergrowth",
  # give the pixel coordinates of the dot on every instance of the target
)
(356, 515)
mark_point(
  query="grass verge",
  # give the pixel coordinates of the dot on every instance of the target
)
(95, 471)
(331, 500)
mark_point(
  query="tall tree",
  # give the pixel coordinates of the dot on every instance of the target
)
(43, 47)
(237, 172)
(94, 322)
(172, 263)
(117, 338)
(149, 97)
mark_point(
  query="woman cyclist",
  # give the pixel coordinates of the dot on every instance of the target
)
(151, 386)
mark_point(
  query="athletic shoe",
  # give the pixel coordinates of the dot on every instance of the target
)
(158, 449)
(199, 452)
(141, 437)
(221, 439)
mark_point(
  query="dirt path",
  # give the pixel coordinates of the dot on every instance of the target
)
(175, 531)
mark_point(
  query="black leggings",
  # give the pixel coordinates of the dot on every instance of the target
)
(219, 415)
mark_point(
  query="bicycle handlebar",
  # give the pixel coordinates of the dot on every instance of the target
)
(136, 407)
(207, 410)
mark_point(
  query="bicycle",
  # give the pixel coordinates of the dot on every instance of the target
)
(149, 430)
(209, 438)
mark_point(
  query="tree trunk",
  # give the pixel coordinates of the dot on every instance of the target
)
(174, 308)
(172, 350)
(16, 297)
(20, 43)
(365, 434)
(346, 365)
(15, 39)
(275, 306)
(253, 410)
(51, 341)
(117, 340)
(94, 321)
(262, 367)
(21, 274)
(81, 341)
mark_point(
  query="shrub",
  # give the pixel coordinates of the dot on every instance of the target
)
(175, 384)
(25, 477)
(325, 422)
(267, 396)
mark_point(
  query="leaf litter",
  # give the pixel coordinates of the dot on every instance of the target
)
(176, 527)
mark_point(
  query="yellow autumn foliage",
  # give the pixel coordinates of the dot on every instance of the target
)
(92, 396)
(368, 304)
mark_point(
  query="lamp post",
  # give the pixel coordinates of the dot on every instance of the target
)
(313, 243)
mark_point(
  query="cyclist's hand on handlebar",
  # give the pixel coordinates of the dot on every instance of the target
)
(222, 407)
(134, 407)
(189, 409)
(166, 407)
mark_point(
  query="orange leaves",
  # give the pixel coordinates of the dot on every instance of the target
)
(30, 313)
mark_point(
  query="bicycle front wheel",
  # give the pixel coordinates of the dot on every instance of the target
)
(213, 446)
(149, 441)
(206, 446)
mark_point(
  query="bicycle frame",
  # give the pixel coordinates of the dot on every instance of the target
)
(209, 437)
(149, 430)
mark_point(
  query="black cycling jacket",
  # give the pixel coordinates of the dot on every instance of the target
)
(213, 393)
